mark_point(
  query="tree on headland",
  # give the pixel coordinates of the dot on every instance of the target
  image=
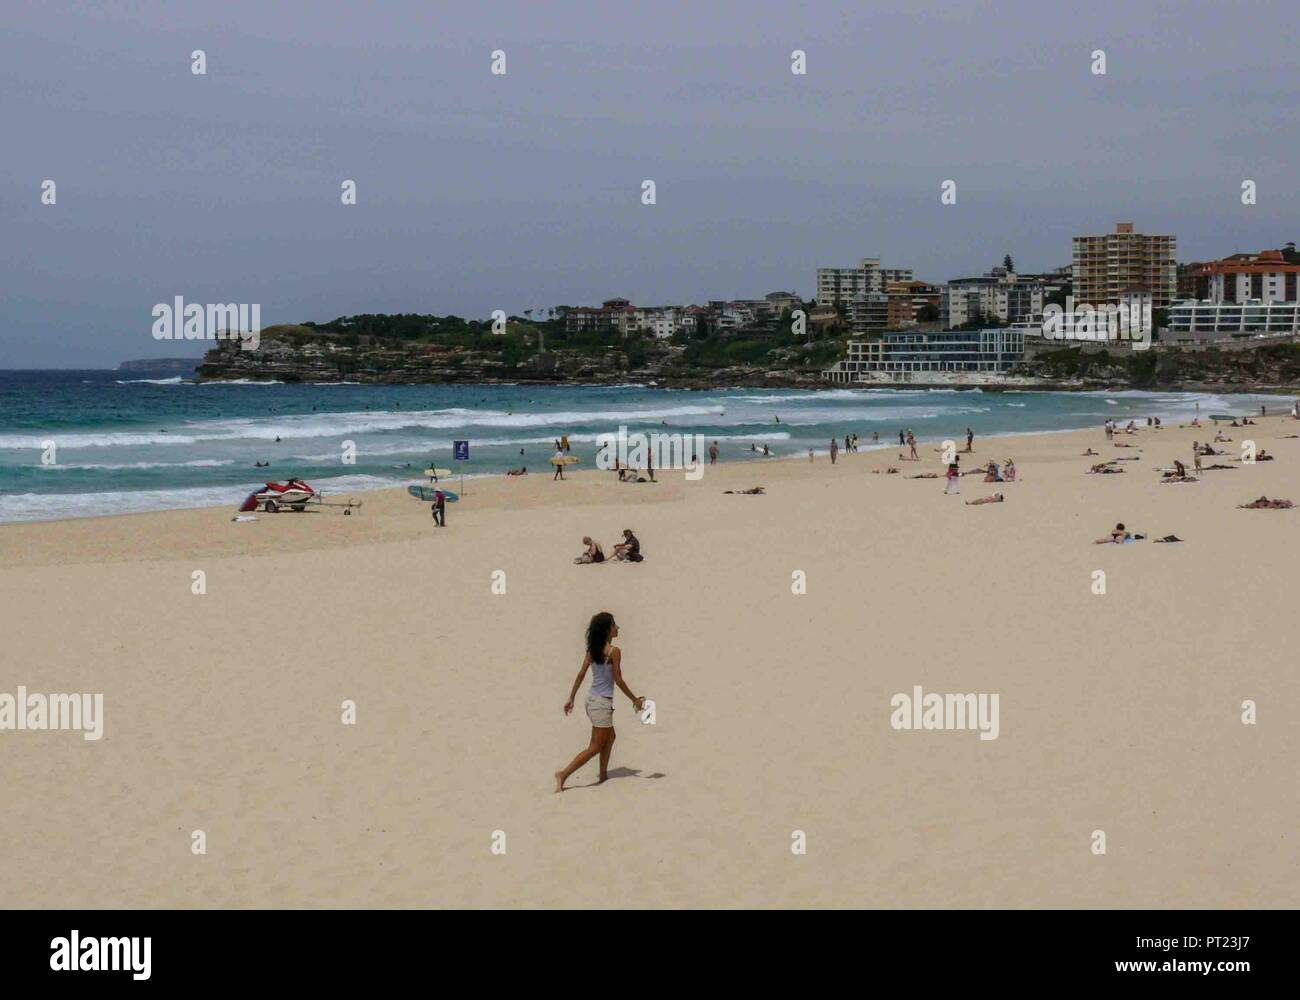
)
(1008, 263)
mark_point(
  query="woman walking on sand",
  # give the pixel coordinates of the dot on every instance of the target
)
(606, 663)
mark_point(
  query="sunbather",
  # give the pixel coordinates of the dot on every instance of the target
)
(995, 498)
(594, 553)
(1118, 536)
(1264, 503)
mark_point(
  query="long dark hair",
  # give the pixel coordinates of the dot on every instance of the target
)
(598, 633)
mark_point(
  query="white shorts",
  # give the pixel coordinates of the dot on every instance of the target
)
(600, 711)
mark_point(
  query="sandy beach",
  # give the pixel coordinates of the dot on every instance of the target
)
(1119, 712)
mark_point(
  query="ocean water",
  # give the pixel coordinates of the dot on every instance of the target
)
(132, 444)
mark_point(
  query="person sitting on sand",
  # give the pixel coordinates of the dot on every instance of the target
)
(1220, 438)
(606, 663)
(1009, 471)
(594, 553)
(629, 550)
(991, 473)
(1090, 452)
(1264, 503)
(995, 498)
(1119, 535)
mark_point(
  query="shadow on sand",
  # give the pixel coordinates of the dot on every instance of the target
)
(624, 772)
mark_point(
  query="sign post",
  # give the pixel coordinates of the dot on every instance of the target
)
(461, 453)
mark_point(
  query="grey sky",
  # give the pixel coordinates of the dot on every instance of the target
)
(479, 192)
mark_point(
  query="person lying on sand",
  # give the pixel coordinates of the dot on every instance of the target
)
(1264, 503)
(521, 471)
(1118, 445)
(889, 472)
(1119, 536)
(995, 498)
(594, 553)
(923, 475)
(753, 491)
(1171, 478)
(1169, 538)
(1103, 469)
(1263, 456)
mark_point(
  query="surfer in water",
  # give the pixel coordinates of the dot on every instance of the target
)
(606, 663)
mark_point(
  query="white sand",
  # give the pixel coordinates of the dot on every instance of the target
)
(1119, 713)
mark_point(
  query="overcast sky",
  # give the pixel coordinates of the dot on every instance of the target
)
(478, 192)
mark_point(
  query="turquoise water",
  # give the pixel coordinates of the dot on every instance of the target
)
(129, 444)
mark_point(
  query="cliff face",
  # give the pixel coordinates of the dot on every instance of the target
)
(1244, 367)
(297, 354)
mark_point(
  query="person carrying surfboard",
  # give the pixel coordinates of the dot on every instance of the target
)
(559, 463)
(440, 508)
(606, 663)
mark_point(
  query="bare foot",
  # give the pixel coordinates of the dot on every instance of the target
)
(559, 781)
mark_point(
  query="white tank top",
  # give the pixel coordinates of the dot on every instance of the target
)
(602, 679)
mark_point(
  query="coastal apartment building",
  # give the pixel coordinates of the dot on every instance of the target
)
(899, 355)
(665, 321)
(873, 298)
(1242, 295)
(1196, 321)
(999, 295)
(1265, 276)
(841, 285)
(1192, 281)
(1106, 267)
(868, 313)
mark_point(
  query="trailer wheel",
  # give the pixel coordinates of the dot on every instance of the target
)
(272, 506)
